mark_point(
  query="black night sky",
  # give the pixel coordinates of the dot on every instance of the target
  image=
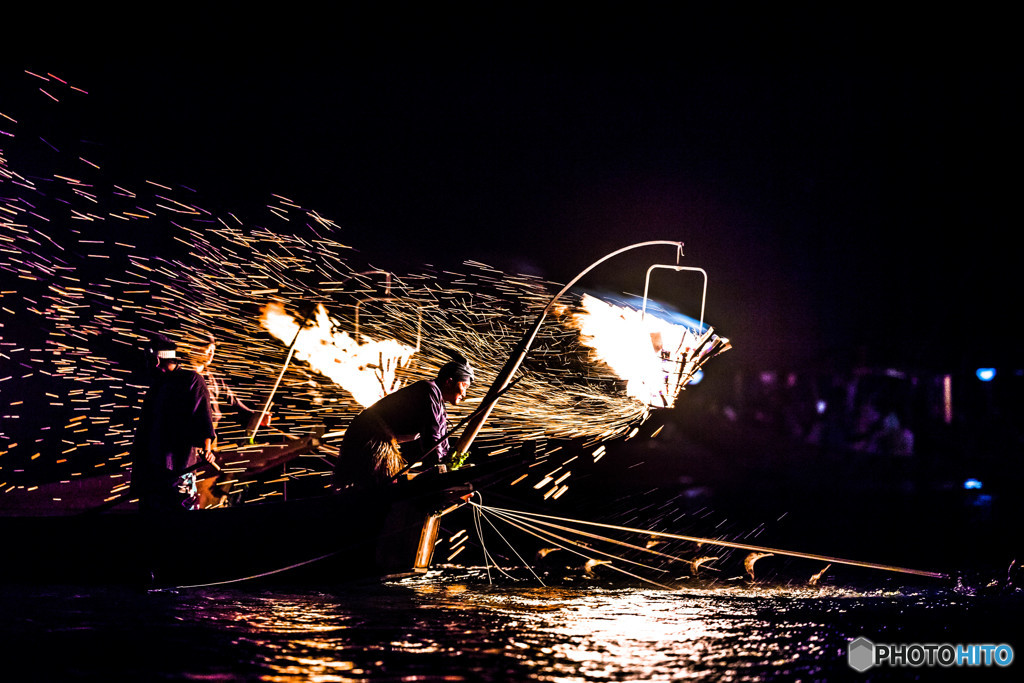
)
(847, 182)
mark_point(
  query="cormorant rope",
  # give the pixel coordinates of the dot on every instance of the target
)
(488, 559)
(531, 521)
(554, 539)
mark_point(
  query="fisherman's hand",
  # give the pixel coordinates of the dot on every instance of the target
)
(208, 452)
(256, 421)
(455, 459)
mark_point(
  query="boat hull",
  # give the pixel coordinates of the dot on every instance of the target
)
(327, 539)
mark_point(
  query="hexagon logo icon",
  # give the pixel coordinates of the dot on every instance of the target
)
(860, 654)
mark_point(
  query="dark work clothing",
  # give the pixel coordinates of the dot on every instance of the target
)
(176, 420)
(413, 418)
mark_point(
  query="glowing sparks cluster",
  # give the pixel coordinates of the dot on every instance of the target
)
(92, 270)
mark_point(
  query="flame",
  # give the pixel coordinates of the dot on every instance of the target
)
(655, 357)
(364, 367)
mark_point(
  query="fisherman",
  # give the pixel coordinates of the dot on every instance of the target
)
(225, 403)
(223, 400)
(409, 425)
(175, 431)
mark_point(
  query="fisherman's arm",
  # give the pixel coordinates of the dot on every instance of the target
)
(202, 416)
(244, 415)
(438, 430)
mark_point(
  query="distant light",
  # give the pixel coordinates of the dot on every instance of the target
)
(821, 406)
(697, 377)
(972, 484)
(985, 374)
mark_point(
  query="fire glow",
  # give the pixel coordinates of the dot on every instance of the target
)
(364, 367)
(655, 357)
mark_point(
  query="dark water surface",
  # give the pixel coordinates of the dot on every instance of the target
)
(454, 625)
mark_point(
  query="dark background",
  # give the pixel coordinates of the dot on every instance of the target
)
(846, 179)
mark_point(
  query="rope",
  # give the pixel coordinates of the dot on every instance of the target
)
(483, 546)
(247, 578)
(596, 537)
(488, 558)
(478, 513)
(737, 546)
(576, 552)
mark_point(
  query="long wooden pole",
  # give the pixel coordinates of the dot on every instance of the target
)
(307, 313)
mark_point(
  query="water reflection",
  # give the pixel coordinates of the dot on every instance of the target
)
(608, 635)
(591, 635)
(453, 625)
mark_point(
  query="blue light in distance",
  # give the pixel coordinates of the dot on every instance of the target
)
(972, 484)
(985, 374)
(697, 377)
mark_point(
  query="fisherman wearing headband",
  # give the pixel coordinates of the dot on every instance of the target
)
(174, 432)
(409, 425)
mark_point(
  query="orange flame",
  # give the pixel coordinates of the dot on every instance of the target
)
(364, 367)
(655, 357)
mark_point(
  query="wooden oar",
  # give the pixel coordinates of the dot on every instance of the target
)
(296, 448)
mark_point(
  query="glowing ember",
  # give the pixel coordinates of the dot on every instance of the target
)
(655, 357)
(363, 367)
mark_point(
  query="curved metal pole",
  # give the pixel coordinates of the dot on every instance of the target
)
(516, 359)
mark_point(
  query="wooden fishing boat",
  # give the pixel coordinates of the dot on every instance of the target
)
(331, 538)
(344, 535)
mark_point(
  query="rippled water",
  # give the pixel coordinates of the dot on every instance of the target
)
(454, 625)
